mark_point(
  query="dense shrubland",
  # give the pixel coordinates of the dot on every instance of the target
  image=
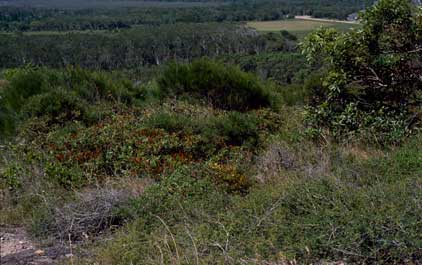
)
(206, 164)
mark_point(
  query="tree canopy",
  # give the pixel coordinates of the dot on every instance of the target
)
(374, 75)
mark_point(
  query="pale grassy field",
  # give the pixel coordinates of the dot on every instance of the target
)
(299, 27)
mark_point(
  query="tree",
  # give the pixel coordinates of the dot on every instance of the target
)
(374, 75)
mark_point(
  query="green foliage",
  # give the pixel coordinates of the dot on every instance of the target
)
(233, 129)
(146, 143)
(23, 84)
(62, 95)
(224, 87)
(372, 85)
(79, 15)
(11, 177)
(288, 35)
(370, 217)
(58, 105)
(7, 124)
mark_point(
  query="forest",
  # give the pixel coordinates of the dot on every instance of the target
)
(173, 132)
(85, 15)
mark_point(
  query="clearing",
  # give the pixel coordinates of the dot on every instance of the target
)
(301, 25)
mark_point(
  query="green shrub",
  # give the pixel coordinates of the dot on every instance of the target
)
(294, 94)
(172, 122)
(382, 126)
(60, 105)
(233, 128)
(369, 217)
(371, 85)
(23, 84)
(225, 87)
(64, 95)
(7, 120)
(287, 35)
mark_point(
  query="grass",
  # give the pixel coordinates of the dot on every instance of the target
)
(329, 204)
(299, 27)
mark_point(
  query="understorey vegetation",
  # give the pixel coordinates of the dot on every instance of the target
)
(269, 157)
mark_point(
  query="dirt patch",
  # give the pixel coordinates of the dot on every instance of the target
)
(16, 248)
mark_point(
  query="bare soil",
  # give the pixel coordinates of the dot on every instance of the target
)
(16, 248)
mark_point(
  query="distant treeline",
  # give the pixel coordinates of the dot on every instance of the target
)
(143, 46)
(28, 18)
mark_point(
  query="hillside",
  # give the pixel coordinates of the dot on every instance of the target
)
(210, 142)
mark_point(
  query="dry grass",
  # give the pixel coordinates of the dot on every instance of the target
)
(92, 213)
(360, 152)
(282, 160)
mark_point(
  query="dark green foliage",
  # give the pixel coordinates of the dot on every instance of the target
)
(62, 95)
(58, 104)
(288, 35)
(105, 15)
(233, 128)
(224, 87)
(373, 84)
(7, 123)
(129, 49)
(23, 84)
(284, 68)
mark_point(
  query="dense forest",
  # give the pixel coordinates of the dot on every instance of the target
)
(33, 18)
(172, 132)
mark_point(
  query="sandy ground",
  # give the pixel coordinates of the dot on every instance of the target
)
(16, 248)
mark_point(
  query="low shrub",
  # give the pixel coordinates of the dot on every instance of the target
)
(381, 127)
(224, 87)
(355, 219)
(63, 94)
(23, 84)
(7, 120)
(234, 128)
(225, 129)
(59, 105)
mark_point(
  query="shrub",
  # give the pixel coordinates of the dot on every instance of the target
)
(59, 105)
(64, 95)
(172, 122)
(233, 128)
(287, 35)
(7, 120)
(294, 94)
(360, 219)
(371, 73)
(23, 84)
(224, 87)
